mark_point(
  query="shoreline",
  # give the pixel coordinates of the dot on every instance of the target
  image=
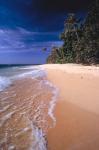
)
(62, 102)
(27, 108)
(77, 108)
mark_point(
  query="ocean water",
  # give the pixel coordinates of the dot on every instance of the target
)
(9, 74)
(27, 102)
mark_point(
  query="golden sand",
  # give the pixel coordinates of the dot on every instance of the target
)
(77, 110)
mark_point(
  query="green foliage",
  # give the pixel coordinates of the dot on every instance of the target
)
(81, 42)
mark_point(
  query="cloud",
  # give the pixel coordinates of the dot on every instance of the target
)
(24, 40)
(20, 46)
(10, 39)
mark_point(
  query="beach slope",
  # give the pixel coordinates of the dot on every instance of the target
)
(77, 109)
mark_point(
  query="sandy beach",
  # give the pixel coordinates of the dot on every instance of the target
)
(77, 109)
(51, 107)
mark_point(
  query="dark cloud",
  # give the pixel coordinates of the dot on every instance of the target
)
(61, 5)
(27, 26)
(39, 14)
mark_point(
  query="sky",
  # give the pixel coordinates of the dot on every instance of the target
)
(27, 26)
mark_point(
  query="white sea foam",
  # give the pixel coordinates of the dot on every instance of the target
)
(5, 108)
(29, 67)
(4, 82)
(5, 118)
(53, 101)
(32, 71)
(22, 131)
(39, 141)
(35, 73)
(11, 147)
(52, 106)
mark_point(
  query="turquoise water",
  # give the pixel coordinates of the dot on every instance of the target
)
(9, 73)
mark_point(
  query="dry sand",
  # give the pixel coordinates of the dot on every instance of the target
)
(77, 110)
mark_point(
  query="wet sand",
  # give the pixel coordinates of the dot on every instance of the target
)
(24, 118)
(77, 109)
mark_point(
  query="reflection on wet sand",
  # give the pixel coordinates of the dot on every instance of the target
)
(24, 118)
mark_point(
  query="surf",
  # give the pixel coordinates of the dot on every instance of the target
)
(27, 107)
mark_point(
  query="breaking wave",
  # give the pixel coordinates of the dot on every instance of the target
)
(30, 101)
(4, 82)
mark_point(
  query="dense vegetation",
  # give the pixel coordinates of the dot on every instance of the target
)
(81, 40)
